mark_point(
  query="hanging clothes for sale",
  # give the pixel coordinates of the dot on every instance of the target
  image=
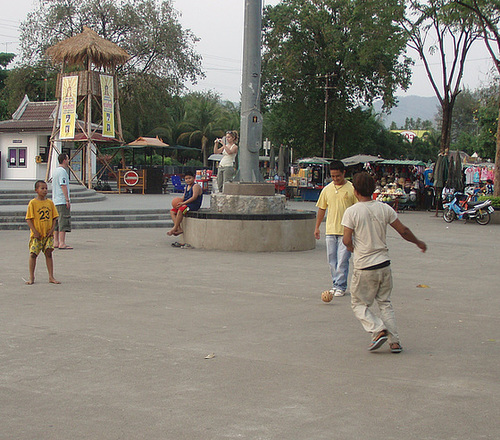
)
(441, 171)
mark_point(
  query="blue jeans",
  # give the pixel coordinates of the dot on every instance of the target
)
(338, 259)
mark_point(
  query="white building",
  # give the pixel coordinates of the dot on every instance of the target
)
(24, 143)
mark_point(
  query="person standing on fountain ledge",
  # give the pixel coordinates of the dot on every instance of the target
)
(229, 150)
(193, 196)
(336, 197)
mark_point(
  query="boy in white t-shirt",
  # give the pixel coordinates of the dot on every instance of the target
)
(365, 228)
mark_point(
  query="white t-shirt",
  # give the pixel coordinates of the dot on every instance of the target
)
(59, 177)
(369, 222)
(227, 159)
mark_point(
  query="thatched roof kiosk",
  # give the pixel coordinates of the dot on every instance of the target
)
(96, 56)
(85, 47)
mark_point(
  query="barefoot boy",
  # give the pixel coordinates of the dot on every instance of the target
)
(41, 217)
(193, 196)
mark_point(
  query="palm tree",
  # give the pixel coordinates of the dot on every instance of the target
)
(204, 121)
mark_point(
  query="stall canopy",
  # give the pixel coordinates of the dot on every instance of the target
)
(360, 158)
(401, 162)
(147, 142)
(319, 161)
(314, 161)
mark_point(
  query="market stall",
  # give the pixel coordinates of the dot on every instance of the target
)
(309, 177)
(399, 182)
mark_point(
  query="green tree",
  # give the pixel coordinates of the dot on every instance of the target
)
(463, 120)
(5, 59)
(147, 29)
(162, 53)
(144, 103)
(203, 122)
(434, 28)
(37, 81)
(362, 132)
(487, 15)
(486, 116)
(424, 148)
(231, 116)
(354, 45)
(173, 126)
(409, 124)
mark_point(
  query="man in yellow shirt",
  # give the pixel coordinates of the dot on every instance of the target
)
(335, 198)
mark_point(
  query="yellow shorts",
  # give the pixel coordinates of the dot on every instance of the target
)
(38, 245)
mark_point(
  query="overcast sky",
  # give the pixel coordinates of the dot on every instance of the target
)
(219, 25)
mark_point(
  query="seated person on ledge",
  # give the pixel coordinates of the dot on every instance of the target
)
(193, 196)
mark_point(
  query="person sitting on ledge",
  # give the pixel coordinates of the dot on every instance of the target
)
(193, 196)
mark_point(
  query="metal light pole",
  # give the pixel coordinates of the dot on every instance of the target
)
(251, 118)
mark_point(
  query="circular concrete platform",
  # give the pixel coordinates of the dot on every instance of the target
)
(288, 231)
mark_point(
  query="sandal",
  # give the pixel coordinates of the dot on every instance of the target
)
(176, 244)
(378, 340)
(396, 347)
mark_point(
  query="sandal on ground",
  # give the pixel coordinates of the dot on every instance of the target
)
(176, 244)
(396, 347)
(379, 340)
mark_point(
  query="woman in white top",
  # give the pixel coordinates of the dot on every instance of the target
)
(229, 149)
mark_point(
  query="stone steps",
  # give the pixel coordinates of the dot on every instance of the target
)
(22, 197)
(119, 221)
(153, 218)
(98, 225)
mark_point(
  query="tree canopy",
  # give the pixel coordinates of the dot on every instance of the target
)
(148, 30)
(435, 27)
(5, 59)
(487, 14)
(354, 44)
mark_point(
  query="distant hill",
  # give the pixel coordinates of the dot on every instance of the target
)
(425, 108)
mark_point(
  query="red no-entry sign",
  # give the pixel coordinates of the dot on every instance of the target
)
(131, 178)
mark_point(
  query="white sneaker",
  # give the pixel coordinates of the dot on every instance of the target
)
(339, 292)
(332, 291)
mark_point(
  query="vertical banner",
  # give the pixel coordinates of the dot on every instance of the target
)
(68, 111)
(108, 106)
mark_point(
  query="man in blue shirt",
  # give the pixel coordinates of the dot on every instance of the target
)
(60, 197)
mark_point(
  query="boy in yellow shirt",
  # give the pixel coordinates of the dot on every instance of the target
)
(334, 199)
(41, 217)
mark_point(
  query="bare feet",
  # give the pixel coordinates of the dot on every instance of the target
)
(178, 232)
(174, 232)
(29, 282)
(170, 233)
(54, 281)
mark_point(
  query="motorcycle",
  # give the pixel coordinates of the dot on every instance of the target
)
(461, 207)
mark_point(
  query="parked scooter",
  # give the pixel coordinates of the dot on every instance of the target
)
(461, 207)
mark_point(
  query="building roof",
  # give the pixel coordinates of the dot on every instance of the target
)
(31, 117)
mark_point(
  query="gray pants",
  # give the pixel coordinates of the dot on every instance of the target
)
(64, 220)
(368, 286)
(224, 174)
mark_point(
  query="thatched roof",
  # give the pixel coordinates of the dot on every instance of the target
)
(88, 44)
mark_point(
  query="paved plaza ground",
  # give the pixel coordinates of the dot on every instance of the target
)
(118, 350)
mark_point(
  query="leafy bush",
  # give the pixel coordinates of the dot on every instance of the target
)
(194, 163)
(495, 201)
